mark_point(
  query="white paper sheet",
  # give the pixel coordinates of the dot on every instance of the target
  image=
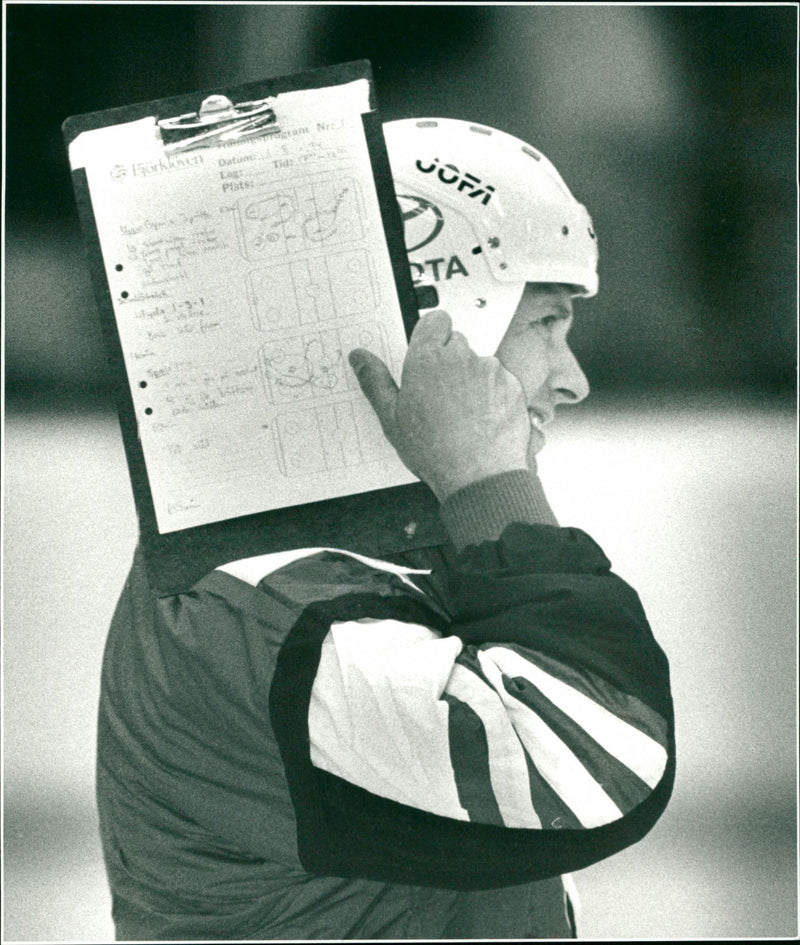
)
(241, 277)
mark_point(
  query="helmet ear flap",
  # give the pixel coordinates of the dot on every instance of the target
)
(450, 271)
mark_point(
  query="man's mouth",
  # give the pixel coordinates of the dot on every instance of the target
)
(538, 420)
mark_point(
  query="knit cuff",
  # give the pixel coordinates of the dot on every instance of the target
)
(482, 510)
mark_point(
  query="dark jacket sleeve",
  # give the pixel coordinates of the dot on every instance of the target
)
(525, 733)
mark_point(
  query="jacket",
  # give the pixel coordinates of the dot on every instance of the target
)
(322, 745)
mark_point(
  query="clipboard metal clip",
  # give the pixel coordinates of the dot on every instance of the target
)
(218, 121)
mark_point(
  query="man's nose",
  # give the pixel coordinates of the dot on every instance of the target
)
(567, 379)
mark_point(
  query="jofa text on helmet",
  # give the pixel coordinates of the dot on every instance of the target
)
(450, 174)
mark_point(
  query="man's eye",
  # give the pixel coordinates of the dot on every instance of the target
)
(547, 321)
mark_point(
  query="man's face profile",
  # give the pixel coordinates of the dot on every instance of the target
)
(536, 351)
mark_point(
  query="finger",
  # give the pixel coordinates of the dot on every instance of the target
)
(376, 382)
(433, 328)
(458, 341)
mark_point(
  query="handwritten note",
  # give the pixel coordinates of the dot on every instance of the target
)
(241, 277)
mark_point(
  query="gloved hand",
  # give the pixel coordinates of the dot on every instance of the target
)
(456, 418)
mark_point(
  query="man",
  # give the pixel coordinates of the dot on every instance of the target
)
(319, 745)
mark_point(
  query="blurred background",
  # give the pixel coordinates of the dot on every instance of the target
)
(677, 127)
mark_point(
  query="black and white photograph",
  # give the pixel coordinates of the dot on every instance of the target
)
(399, 472)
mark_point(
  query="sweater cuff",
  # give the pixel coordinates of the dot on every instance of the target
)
(482, 510)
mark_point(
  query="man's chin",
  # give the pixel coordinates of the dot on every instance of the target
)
(535, 446)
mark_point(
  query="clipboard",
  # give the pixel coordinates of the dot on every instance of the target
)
(240, 241)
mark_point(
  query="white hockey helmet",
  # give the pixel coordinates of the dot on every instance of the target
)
(484, 213)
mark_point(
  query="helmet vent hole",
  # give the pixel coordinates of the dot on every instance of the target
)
(427, 124)
(531, 153)
(480, 131)
(565, 230)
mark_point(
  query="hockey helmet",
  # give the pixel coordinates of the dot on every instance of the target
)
(484, 213)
